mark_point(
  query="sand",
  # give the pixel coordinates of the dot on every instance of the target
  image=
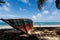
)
(37, 33)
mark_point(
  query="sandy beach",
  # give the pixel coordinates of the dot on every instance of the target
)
(38, 33)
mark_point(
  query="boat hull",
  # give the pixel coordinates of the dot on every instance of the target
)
(24, 25)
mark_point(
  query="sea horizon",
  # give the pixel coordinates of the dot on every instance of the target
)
(35, 24)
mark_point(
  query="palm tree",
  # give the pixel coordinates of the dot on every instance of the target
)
(58, 4)
(41, 2)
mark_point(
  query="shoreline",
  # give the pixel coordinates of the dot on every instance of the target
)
(9, 27)
(41, 33)
(6, 27)
(46, 25)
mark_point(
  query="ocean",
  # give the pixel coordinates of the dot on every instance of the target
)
(47, 23)
(35, 24)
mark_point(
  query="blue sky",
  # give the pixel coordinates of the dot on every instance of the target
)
(28, 9)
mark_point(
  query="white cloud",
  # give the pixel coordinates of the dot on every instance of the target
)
(5, 7)
(29, 4)
(45, 12)
(54, 12)
(8, 4)
(54, 16)
(1, 8)
(39, 15)
(49, 17)
(24, 1)
(43, 18)
(34, 17)
(22, 9)
(50, 1)
(7, 15)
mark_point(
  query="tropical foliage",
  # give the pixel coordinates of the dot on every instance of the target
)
(58, 4)
(2, 2)
(41, 2)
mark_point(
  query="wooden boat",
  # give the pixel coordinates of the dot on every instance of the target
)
(24, 25)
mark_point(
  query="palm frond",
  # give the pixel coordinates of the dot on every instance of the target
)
(2, 2)
(58, 4)
(40, 3)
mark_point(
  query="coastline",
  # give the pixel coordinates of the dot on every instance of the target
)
(6, 27)
(46, 25)
(9, 27)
